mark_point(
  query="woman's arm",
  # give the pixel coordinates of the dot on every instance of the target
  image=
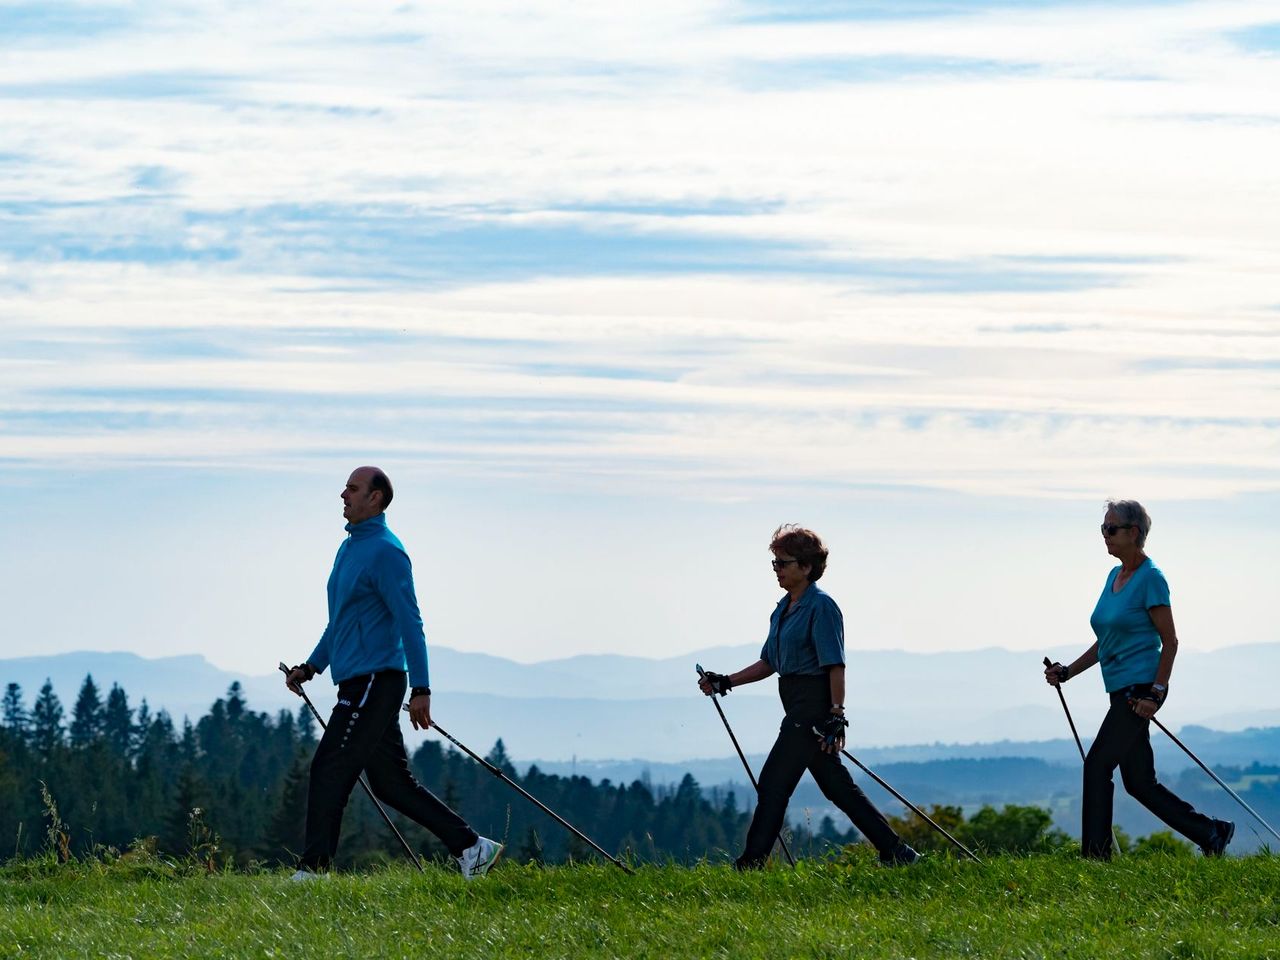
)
(1162, 620)
(836, 676)
(1079, 665)
(759, 670)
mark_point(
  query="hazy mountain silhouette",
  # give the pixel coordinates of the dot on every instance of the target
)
(613, 707)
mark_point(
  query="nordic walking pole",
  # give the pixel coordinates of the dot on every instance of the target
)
(1216, 779)
(741, 756)
(1072, 723)
(528, 796)
(408, 851)
(918, 812)
(1115, 841)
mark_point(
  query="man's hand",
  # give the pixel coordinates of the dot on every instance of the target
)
(1055, 674)
(420, 711)
(831, 733)
(713, 683)
(299, 675)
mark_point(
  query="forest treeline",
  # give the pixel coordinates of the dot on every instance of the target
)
(230, 788)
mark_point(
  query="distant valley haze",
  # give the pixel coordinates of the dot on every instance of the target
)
(618, 708)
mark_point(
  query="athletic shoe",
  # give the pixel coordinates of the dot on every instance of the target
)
(305, 876)
(479, 857)
(1216, 845)
(903, 856)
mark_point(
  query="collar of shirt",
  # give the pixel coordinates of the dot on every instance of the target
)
(368, 528)
(809, 592)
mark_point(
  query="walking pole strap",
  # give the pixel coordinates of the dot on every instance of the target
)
(1216, 778)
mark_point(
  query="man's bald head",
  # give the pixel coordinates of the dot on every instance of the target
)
(368, 492)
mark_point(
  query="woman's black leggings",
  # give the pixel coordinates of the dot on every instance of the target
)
(1124, 740)
(807, 701)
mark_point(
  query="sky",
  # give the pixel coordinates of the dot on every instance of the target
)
(611, 291)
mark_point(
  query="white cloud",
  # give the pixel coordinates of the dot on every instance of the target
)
(1103, 162)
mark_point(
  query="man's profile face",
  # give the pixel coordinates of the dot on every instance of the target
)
(359, 503)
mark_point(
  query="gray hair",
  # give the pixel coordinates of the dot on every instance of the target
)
(1132, 512)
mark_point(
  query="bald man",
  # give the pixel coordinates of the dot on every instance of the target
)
(374, 632)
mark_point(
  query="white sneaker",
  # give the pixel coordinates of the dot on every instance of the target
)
(479, 857)
(305, 876)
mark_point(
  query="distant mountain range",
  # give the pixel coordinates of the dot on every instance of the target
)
(596, 708)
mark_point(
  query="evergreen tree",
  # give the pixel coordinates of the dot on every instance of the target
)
(141, 725)
(117, 722)
(46, 721)
(285, 838)
(87, 718)
(175, 836)
(499, 758)
(13, 714)
(235, 702)
(306, 727)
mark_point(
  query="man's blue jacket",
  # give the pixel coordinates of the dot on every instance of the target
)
(374, 623)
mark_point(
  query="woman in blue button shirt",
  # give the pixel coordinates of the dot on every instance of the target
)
(805, 647)
(1136, 646)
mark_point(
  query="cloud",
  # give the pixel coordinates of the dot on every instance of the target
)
(978, 246)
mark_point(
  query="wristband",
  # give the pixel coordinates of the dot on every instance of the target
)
(419, 692)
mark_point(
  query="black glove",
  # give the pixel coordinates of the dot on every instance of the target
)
(720, 682)
(307, 668)
(1061, 670)
(831, 733)
(1147, 691)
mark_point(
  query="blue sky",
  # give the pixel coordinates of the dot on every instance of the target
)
(611, 295)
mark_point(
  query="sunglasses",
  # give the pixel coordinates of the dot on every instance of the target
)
(780, 564)
(1110, 529)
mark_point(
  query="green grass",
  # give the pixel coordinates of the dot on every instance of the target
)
(1044, 906)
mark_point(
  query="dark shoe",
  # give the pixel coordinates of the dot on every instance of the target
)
(1216, 845)
(743, 863)
(902, 856)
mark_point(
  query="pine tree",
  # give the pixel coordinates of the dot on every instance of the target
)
(13, 713)
(499, 758)
(235, 702)
(175, 837)
(87, 717)
(141, 724)
(285, 839)
(306, 727)
(117, 722)
(46, 721)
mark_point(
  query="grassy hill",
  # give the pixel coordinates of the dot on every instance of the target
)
(1043, 906)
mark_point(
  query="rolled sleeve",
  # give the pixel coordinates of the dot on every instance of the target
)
(1157, 591)
(828, 633)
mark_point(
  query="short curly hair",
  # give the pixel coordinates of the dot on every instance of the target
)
(803, 544)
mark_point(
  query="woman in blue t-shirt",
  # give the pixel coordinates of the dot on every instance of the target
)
(805, 647)
(1136, 646)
